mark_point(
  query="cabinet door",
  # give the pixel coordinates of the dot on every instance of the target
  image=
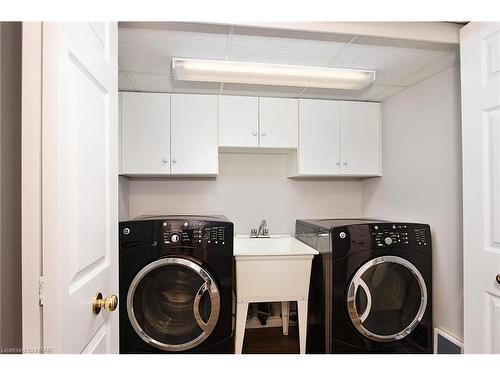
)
(145, 133)
(278, 121)
(238, 121)
(319, 137)
(194, 134)
(360, 138)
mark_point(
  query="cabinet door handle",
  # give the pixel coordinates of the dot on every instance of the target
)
(174, 161)
(345, 162)
(337, 163)
(164, 160)
(263, 134)
(254, 134)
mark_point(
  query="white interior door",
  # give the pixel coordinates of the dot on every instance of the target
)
(79, 185)
(480, 65)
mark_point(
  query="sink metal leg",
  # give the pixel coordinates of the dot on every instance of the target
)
(241, 319)
(302, 316)
(285, 316)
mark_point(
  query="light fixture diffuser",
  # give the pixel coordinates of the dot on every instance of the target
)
(270, 74)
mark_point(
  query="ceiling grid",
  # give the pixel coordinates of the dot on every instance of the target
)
(145, 55)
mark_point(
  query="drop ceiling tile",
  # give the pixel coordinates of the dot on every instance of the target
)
(319, 93)
(151, 50)
(282, 50)
(177, 26)
(124, 82)
(147, 82)
(291, 34)
(390, 91)
(260, 90)
(442, 64)
(402, 43)
(393, 64)
(374, 91)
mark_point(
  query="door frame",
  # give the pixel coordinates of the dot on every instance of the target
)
(31, 187)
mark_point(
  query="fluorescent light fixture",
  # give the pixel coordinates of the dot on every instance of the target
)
(270, 74)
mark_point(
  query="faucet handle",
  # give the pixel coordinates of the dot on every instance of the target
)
(265, 232)
(253, 233)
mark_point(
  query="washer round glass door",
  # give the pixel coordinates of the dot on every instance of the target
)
(173, 304)
(386, 298)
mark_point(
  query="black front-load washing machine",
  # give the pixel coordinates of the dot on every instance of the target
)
(371, 286)
(176, 284)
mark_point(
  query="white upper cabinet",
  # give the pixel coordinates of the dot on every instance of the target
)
(278, 122)
(238, 121)
(145, 133)
(194, 134)
(337, 139)
(319, 137)
(360, 138)
(180, 134)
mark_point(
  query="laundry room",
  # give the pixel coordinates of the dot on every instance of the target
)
(237, 187)
(262, 175)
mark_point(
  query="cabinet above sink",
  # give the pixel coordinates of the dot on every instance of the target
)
(167, 135)
(252, 124)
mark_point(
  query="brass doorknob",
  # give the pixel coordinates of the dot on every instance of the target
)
(109, 303)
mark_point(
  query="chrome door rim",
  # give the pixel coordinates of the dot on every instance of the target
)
(353, 288)
(209, 286)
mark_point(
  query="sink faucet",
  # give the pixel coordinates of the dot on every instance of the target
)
(262, 232)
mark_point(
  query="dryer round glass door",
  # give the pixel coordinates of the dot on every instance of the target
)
(173, 304)
(386, 298)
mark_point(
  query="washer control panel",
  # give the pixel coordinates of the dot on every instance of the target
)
(192, 233)
(400, 235)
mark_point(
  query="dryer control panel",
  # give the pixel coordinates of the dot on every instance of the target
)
(193, 232)
(400, 234)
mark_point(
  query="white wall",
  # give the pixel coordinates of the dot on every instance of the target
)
(249, 188)
(10, 184)
(422, 181)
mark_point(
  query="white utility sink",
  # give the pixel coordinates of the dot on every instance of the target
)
(275, 245)
(275, 269)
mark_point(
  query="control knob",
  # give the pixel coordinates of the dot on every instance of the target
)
(175, 238)
(388, 240)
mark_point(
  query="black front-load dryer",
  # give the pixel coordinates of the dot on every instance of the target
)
(176, 284)
(371, 286)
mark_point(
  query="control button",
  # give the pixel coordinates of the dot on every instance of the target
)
(376, 226)
(175, 238)
(126, 231)
(388, 240)
(186, 224)
(342, 235)
(164, 224)
(393, 227)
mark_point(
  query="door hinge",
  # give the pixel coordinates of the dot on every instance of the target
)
(41, 291)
